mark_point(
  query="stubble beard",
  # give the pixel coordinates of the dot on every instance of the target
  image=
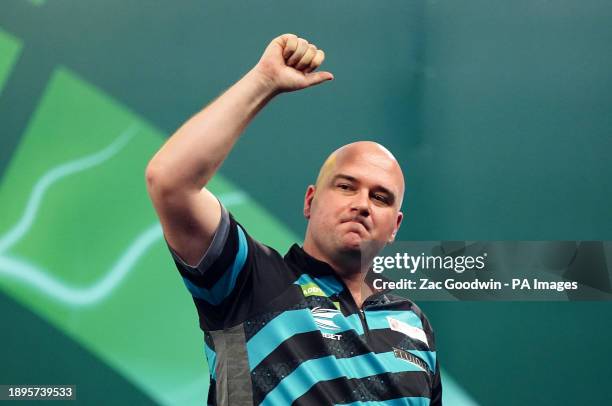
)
(356, 257)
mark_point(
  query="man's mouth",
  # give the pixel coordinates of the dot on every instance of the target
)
(359, 222)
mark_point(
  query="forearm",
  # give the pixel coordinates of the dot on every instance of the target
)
(194, 153)
(188, 160)
(176, 175)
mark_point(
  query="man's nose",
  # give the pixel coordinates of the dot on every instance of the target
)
(361, 203)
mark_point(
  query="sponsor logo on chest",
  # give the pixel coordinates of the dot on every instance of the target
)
(408, 330)
(324, 320)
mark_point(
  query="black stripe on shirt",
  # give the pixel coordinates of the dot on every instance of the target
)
(375, 388)
(291, 353)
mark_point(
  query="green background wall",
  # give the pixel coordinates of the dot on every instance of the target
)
(498, 111)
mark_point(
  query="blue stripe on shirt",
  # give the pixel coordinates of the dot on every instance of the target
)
(328, 284)
(407, 401)
(310, 372)
(286, 325)
(279, 329)
(211, 357)
(227, 282)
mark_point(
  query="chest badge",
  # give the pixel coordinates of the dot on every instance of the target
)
(406, 329)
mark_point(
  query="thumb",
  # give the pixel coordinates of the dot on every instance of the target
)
(314, 78)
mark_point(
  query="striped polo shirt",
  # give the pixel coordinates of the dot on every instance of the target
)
(285, 330)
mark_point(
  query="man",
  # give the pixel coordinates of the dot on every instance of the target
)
(306, 328)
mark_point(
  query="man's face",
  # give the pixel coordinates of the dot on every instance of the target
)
(354, 209)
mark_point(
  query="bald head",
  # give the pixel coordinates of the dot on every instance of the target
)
(364, 153)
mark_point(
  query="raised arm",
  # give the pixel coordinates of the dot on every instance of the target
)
(178, 173)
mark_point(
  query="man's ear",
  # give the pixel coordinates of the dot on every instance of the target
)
(310, 192)
(400, 217)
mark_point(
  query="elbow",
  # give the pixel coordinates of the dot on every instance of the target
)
(164, 180)
(155, 178)
(151, 174)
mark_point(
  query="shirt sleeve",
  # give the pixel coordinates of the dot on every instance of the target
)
(436, 382)
(208, 280)
(228, 282)
(436, 390)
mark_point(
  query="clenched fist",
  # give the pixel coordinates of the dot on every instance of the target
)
(288, 64)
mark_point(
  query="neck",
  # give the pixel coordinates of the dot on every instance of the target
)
(355, 283)
(352, 273)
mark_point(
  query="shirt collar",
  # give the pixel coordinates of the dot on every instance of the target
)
(303, 260)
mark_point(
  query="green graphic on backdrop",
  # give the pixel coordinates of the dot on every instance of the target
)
(81, 246)
(10, 47)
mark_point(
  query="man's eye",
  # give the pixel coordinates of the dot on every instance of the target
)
(381, 198)
(344, 186)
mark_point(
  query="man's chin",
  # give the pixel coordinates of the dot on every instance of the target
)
(359, 246)
(365, 248)
(353, 242)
